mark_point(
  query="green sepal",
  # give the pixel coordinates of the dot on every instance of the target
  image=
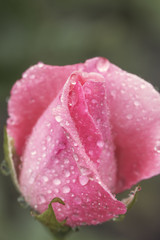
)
(8, 166)
(129, 202)
(48, 218)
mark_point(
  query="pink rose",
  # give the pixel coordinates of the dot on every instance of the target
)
(83, 132)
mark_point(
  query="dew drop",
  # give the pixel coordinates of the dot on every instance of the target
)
(49, 138)
(40, 64)
(157, 147)
(100, 143)
(67, 173)
(44, 148)
(22, 202)
(143, 86)
(31, 179)
(85, 171)
(75, 157)
(57, 181)
(103, 65)
(41, 199)
(33, 153)
(77, 200)
(83, 180)
(58, 118)
(56, 190)
(113, 93)
(136, 103)
(73, 79)
(4, 168)
(90, 152)
(67, 123)
(66, 161)
(73, 99)
(129, 116)
(45, 178)
(66, 189)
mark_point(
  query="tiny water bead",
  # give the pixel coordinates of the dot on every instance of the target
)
(83, 179)
(4, 168)
(75, 157)
(103, 65)
(22, 202)
(40, 64)
(157, 146)
(136, 103)
(41, 199)
(100, 144)
(67, 173)
(58, 118)
(66, 189)
(57, 181)
(33, 153)
(129, 116)
(77, 200)
(45, 178)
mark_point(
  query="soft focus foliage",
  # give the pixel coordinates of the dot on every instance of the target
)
(65, 32)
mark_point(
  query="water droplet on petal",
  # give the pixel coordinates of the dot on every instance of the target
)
(90, 152)
(22, 202)
(49, 138)
(45, 178)
(49, 191)
(57, 181)
(85, 171)
(75, 157)
(73, 79)
(100, 143)
(67, 173)
(83, 179)
(136, 103)
(58, 118)
(103, 65)
(40, 64)
(33, 153)
(67, 123)
(77, 200)
(129, 116)
(66, 189)
(4, 168)
(157, 147)
(41, 199)
(143, 86)
(73, 99)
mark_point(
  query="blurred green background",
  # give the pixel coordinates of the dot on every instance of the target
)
(66, 32)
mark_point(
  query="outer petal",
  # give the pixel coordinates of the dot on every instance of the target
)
(54, 163)
(31, 95)
(135, 117)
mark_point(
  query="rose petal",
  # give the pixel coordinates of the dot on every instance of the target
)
(135, 118)
(31, 95)
(54, 170)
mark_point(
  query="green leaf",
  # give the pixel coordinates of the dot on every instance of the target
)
(8, 166)
(129, 202)
(48, 218)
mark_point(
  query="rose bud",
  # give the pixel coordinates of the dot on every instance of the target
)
(82, 133)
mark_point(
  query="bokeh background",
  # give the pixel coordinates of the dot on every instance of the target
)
(60, 32)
